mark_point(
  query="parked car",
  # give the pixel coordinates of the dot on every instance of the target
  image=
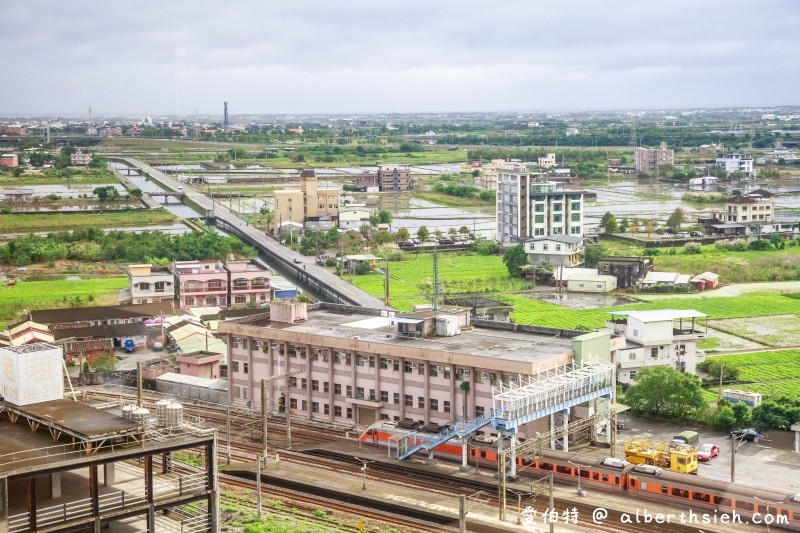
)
(157, 346)
(129, 345)
(406, 244)
(416, 241)
(446, 241)
(696, 234)
(750, 434)
(707, 451)
(297, 260)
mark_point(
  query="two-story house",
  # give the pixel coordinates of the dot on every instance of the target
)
(148, 284)
(666, 337)
(560, 251)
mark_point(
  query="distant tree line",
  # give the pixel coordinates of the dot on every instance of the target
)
(92, 244)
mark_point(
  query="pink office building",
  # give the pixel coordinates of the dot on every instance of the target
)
(212, 283)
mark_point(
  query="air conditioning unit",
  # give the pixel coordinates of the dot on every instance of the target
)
(447, 369)
(465, 373)
(439, 368)
(413, 365)
(484, 375)
(492, 376)
(274, 344)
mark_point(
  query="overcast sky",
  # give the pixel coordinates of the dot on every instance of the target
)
(361, 56)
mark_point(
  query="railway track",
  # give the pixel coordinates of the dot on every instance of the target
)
(341, 511)
(244, 448)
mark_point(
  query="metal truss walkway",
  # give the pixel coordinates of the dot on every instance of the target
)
(522, 402)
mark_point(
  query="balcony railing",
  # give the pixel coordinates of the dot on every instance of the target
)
(204, 289)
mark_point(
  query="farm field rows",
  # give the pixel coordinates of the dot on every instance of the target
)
(773, 373)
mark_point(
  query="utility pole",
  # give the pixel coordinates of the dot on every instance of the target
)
(258, 484)
(228, 428)
(139, 383)
(462, 513)
(386, 283)
(721, 367)
(264, 417)
(733, 458)
(552, 503)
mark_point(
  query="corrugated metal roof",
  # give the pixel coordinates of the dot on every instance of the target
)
(660, 315)
(194, 381)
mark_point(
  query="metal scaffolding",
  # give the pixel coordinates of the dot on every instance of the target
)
(532, 398)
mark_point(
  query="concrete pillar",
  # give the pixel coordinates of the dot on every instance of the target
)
(552, 431)
(430, 460)
(427, 388)
(565, 415)
(513, 455)
(797, 441)
(55, 485)
(464, 457)
(109, 474)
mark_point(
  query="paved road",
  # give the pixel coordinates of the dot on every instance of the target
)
(290, 260)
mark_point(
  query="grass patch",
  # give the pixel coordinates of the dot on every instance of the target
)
(52, 177)
(28, 223)
(451, 201)
(411, 280)
(32, 295)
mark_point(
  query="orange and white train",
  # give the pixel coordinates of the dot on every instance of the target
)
(644, 481)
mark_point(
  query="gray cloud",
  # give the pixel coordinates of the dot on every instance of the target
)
(362, 56)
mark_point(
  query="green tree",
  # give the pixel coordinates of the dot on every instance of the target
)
(136, 193)
(724, 419)
(514, 258)
(463, 230)
(742, 413)
(384, 217)
(452, 232)
(609, 223)
(486, 247)
(108, 192)
(675, 218)
(776, 413)
(592, 255)
(402, 234)
(663, 391)
(423, 233)
(634, 227)
(17, 171)
(98, 161)
(623, 226)
(38, 159)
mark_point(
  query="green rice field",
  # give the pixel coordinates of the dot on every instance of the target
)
(773, 373)
(31, 295)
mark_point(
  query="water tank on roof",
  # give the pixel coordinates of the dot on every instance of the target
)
(161, 412)
(127, 411)
(174, 416)
(140, 415)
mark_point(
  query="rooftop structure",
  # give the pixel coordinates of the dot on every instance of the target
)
(50, 469)
(31, 373)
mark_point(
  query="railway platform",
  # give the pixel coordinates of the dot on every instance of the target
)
(481, 502)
